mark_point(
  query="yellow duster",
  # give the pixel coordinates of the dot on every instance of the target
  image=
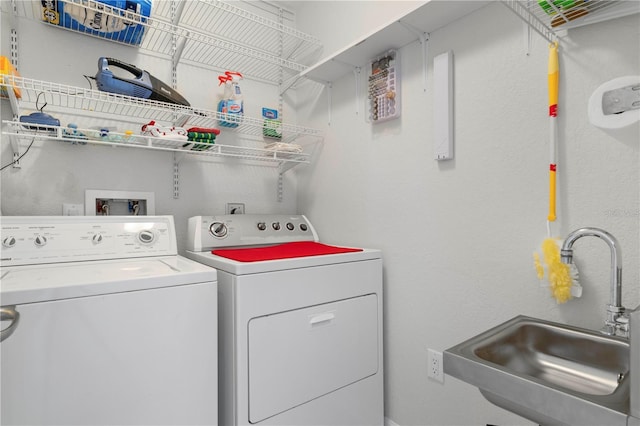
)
(561, 277)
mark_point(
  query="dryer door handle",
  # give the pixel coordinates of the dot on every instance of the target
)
(9, 313)
(321, 318)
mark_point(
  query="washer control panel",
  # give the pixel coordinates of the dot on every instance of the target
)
(209, 232)
(53, 239)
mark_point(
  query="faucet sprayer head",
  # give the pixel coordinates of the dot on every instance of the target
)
(566, 256)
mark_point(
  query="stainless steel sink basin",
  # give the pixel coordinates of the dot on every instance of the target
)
(567, 358)
(547, 372)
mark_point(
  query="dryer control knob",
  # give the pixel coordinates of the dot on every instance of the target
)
(290, 226)
(262, 226)
(9, 242)
(97, 238)
(40, 241)
(146, 237)
(275, 226)
(218, 229)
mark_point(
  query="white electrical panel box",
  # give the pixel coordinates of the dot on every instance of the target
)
(384, 87)
(443, 105)
(119, 203)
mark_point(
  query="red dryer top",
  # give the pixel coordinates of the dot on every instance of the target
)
(282, 251)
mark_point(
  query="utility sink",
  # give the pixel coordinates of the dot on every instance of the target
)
(547, 372)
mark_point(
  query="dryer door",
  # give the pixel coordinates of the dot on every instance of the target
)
(300, 355)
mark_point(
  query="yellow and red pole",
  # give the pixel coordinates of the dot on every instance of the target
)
(553, 77)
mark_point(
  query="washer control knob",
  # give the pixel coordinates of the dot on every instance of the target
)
(304, 227)
(146, 236)
(9, 242)
(218, 229)
(290, 226)
(275, 226)
(40, 240)
(97, 238)
(262, 226)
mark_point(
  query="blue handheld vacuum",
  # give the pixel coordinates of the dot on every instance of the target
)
(142, 85)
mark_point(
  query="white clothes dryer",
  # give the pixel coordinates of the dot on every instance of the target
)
(104, 324)
(300, 323)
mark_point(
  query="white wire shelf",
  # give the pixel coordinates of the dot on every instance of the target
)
(549, 17)
(209, 33)
(82, 136)
(95, 103)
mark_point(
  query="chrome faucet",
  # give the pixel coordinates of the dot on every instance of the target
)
(617, 321)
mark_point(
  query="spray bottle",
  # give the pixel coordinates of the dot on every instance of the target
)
(231, 104)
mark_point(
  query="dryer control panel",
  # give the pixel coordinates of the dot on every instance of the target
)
(30, 240)
(242, 230)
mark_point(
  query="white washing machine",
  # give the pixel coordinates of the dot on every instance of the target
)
(300, 323)
(104, 324)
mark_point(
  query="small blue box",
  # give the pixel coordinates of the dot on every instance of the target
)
(271, 114)
(118, 20)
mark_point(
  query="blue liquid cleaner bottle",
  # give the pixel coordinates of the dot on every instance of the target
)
(231, 106)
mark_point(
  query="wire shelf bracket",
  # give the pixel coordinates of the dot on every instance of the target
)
(521, 11)
(552, 18)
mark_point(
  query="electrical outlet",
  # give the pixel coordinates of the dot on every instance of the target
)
(72, 209)
(235, 208)
(434, 367)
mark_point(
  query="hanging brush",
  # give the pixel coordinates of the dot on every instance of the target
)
(563, 279)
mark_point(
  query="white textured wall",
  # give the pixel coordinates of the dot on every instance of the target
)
(458, 236)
